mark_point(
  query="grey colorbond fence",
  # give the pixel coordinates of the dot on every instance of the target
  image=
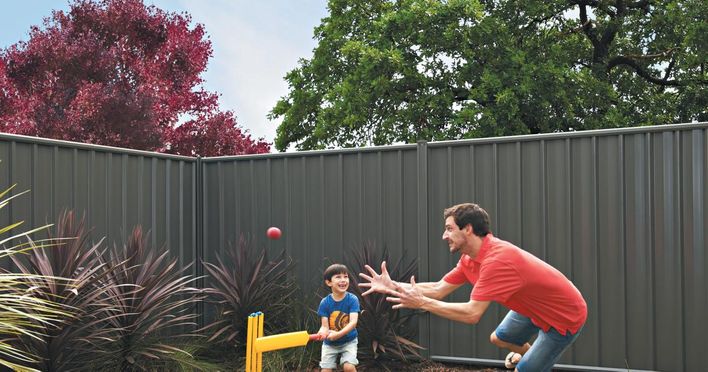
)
(115, 189)
(620, 212)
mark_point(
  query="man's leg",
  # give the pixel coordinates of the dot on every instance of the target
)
(514, 333)
(546, 350)
(507, 345)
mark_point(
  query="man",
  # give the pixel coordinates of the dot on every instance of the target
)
(542, 301)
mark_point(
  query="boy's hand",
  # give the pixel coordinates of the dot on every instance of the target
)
(333, 335)
(322, 334)
(377, 283)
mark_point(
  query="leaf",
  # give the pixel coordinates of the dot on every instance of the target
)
(387, 72)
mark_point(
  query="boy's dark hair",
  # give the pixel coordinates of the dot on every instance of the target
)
(470, 214)
(333, 270)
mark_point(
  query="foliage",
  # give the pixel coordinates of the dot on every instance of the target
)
(385, 334)
(302, 317)
(119, 73)
(246, 281)
(153, 307)
(24, 310)
(81, 338)
(188, 362)
(399, 71)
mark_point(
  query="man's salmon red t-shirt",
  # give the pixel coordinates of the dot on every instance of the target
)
(522, 282)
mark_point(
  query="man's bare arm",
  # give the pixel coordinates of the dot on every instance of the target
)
(435, 290)
(465, 312)
(381, 283)
(411, 296)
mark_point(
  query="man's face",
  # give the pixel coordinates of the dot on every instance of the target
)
(454, 237)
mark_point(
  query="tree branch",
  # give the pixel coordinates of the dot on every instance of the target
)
(624, 60)
(460, 94)
(594, 4)
(574, 30)
(668, 70)
(588, 29)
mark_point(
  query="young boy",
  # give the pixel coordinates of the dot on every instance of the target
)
(339, 312)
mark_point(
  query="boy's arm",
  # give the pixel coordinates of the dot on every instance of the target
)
(324, 328)
(353, 319)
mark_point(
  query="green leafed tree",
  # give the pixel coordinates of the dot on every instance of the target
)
(400, 71)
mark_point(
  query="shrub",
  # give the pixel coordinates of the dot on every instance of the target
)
(385, 334)
(24, 312)
(80, 338)
(153, 307)
(244, 282)
(302, 318)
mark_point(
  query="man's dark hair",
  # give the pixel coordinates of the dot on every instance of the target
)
(333, 270)
(470, 214)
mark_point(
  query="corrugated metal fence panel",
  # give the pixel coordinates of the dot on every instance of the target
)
(621, 213)
(115, 189)
(694, 257)
(325, 204)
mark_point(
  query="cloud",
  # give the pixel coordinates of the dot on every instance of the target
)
(255, 44)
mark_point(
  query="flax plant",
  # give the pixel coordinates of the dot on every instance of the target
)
(385, 335)
(86, 337)
(24, 312)
(154, 308)
(243, 281)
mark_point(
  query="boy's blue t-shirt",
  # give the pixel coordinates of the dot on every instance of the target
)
(338, 314)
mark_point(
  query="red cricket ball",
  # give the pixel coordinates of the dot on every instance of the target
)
(274, 233)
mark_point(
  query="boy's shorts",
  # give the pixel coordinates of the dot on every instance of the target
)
(330, 353)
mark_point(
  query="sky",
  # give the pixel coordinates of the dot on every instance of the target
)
(255, 43)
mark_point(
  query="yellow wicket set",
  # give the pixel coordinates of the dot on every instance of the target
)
(257, 344)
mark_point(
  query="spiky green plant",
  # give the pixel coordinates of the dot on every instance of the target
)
(244, 282)
(385, 334)
(24, 312)
(302, 317)
(153, 307)
(85, 337)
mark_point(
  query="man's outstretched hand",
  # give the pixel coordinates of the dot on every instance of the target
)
(406, 298)
(380, 283)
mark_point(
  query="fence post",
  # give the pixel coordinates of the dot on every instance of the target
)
(199, 248)
(423, 274)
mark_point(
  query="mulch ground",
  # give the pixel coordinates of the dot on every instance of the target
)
(430, 366)
(445, 367)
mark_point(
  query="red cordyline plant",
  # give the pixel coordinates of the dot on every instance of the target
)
(385, 334)
(84, 337)
(244, 282)
(153, 308)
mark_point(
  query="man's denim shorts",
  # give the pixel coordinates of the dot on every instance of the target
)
(544, 352)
